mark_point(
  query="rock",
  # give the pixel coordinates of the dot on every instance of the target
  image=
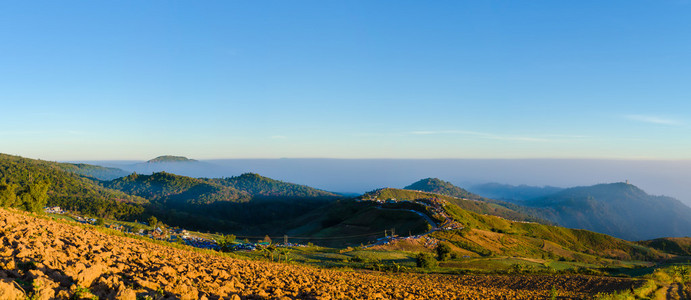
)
(87, 276)
(8, 291)
(126, 294)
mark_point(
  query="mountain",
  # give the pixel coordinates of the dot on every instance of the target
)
(512, 193)
(170, 159)
(618, 209)
(438, 186)
(32, 184)
(178, 165)
(263, 187)
(480, 207)
(473, 202)
(165, 187)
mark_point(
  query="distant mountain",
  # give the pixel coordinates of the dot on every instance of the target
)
(512, 193)
(170, 159)
(618, 209)
(178, 165)
(438, 186)
(264, 187)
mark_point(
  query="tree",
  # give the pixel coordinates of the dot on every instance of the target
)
(153, 222)
(8, 196)
(443, 251)
(226, 242)
(35, 196)
(100, 222)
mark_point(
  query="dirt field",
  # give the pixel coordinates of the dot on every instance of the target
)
(46, 259)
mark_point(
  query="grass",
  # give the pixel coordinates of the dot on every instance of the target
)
(656, 284)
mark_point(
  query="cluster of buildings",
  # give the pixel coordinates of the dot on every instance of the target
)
(53, 210)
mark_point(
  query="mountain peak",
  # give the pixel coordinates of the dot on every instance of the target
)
(436, 185)
(170, 158)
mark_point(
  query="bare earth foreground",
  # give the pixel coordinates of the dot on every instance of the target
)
(45, 259)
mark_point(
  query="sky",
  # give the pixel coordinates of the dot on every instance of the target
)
(131, 80)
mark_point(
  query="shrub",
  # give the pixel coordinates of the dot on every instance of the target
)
(443, 251)
(425, 260)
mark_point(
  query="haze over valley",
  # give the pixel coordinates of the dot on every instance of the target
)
(356, 176)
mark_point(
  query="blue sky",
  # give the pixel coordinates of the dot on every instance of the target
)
(84, 80)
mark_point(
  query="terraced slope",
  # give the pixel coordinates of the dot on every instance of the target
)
(47, 259)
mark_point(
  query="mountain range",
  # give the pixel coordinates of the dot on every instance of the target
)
(254, 203)
(617, 209)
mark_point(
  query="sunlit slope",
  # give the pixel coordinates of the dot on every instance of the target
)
(486, 235)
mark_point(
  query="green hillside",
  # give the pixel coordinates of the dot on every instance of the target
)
(263, 187)
(31, 184)
(263, 206)
(617, 209)
(480, 207)
(678, 246)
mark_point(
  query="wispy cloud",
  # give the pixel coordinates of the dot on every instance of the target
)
(502, 137)
(654, 120)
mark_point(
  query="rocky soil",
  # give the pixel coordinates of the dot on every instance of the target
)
(46, 259)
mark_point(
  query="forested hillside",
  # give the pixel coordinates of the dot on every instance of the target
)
(258, 205)
(32, 184)
(262, 187)
(175, 189)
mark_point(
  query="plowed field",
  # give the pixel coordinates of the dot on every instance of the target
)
(48, 259)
